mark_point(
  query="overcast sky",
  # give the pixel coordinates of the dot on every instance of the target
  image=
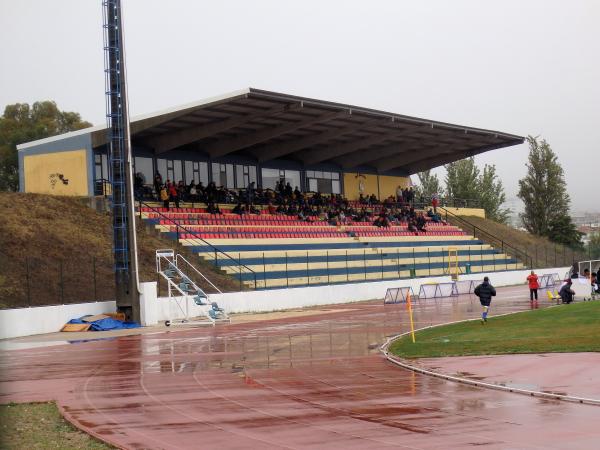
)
(518, 66)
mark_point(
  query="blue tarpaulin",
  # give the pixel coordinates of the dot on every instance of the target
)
(106, 324)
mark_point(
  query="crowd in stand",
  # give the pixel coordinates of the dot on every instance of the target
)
(285, 200)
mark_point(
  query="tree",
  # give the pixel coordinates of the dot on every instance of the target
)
(491, 195)
(464, 180)
(23, 123)
(593, 246)
(429, 184)
(543, 190)
(461, 179)
(562, 230)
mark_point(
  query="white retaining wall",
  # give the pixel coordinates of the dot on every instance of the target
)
(48, 319)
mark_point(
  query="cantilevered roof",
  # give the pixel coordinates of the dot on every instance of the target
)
(267, 125)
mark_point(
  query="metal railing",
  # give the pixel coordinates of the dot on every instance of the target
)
(182, 230)
(31, 281)
(534, 256)
(490, 239)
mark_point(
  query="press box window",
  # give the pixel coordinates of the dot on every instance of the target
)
(323, 182)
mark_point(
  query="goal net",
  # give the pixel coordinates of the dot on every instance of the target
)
(398, 295)
(546, 281)
(447, 290)
(465, 286)
(428, 291)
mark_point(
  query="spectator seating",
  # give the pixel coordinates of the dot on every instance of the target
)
(274, 251)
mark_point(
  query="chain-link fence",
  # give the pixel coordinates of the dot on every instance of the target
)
(32, 281)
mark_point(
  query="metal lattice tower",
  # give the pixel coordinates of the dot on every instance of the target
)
(117, 121)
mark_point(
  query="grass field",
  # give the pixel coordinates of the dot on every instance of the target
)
(565, 328)
(40, 426)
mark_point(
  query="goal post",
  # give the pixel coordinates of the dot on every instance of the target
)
(453, 268)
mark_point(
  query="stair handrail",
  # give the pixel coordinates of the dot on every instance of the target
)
(180, 256)
(216, 250)
(520, 254)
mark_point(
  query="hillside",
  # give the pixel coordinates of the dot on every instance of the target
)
(543, 252)
(44, 239)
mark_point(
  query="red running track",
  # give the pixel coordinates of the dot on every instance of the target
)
(309, 382)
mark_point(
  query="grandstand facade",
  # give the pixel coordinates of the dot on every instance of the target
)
(260, 136)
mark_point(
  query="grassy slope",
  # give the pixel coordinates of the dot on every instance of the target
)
(565, 328)
(521, 240)
(61, 231)
(40, 426)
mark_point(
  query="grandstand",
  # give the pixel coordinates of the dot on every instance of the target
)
(266, 138)
(278, 251)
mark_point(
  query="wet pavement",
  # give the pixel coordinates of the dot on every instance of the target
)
(314, 381)
(573, 374)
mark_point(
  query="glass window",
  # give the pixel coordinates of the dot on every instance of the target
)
(190, 172)
(252, 174)
(310, 174)
(230, 183)
(293, 177)
(239, 177)
(203, 172)
(324, 185)
(144, 166)
(312, 185)
(177, 171)
(335, 175)
(161, 167)
(216, 173)
(269, 178)
(336, 188)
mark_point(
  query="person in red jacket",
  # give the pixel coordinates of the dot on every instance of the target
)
(534, 285)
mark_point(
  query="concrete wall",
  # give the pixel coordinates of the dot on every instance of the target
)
(46, 319)
(477, 212)
(61, 173)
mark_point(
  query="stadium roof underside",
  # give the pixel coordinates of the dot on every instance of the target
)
(268, 126)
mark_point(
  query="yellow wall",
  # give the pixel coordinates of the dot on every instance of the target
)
(381, 186)
(351, 185)
(42, 173)
(477, 212)
(388, 185)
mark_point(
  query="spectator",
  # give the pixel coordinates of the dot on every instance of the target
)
(421, 223)
(435, 201)
(158, 183)
(412, 226)
(138, 186)
(251, 191)
(566, 292)
(164, 196)
(213, 208)
(193, 193)
(534, 285)
(174, 194)
(238, 209)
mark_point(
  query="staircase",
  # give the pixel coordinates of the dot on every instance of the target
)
(174, 269)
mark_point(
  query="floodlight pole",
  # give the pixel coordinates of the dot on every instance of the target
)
(121, 175)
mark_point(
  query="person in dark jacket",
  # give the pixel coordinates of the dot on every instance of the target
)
(566, 292)
(485, 291)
